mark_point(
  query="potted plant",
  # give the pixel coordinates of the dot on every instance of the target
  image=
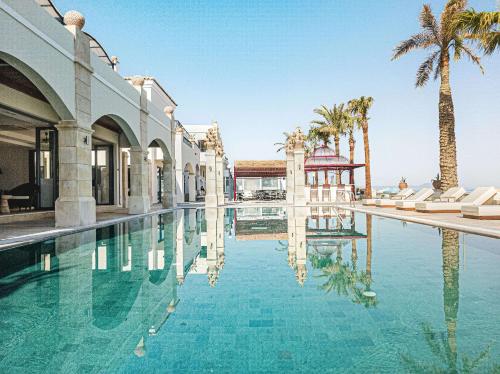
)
(403, 184)
(436, 183)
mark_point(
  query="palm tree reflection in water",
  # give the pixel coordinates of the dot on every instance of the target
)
(444, 346)
(344, 277)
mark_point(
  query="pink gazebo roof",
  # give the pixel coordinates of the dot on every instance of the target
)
(324, 158)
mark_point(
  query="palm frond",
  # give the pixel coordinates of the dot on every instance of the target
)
(426, 69)
(421, 40)
(428, 21)
(473, 57)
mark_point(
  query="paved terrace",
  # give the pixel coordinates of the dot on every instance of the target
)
(453, 221)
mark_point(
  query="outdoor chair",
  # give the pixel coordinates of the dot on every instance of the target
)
(477, 197)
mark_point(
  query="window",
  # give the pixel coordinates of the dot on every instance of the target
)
(270, 183)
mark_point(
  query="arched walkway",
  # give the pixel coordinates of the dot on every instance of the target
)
(162, 174)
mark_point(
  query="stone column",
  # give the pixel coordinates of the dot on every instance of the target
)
(125, 158)
(75, 205)
(211, 188)
(290, 175)
(139, 195)
(168, 197)
(299, 177)
(170, 179)
(219, 167)
(179, 165)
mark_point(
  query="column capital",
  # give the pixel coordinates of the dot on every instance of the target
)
(72, 124)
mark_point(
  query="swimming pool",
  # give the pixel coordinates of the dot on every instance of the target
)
(257, 289)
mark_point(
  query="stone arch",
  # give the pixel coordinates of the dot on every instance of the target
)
(54, 99)
(123, 126)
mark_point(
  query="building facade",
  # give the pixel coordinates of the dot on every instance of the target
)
(76, 135)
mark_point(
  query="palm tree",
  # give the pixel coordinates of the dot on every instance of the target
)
(443, 39)
(332, 124)
(281, 146)
(481, 26)
(352, 124)
(359, 108)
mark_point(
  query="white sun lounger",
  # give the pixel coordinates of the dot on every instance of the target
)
(477, 197)
(483, 211)
(397, 196)
(453, 194)
(401, 195)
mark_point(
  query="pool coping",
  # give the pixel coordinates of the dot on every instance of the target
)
(493, 233)
(55, 232)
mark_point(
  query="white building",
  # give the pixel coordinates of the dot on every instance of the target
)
(74, 133)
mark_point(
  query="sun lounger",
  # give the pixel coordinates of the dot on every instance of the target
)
(477, 197)
(483, 211)
(401, 195)
(453, 194)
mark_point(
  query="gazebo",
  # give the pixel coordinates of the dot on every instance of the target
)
(323, 159)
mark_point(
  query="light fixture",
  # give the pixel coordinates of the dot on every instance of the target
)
(86, 140)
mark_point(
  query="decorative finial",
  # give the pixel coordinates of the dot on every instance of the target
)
(169, 109)
(74, 18)
(138, 80)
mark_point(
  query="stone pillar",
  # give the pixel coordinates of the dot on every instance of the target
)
(125, 158)
(139, 195)
(219, 167)
(168, 197)
(192, 187)
(299, 177)
(290, 175)
(75, 205)
(179, 165)
(211, 187)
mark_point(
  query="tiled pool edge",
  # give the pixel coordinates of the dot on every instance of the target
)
(493, 233)
(56, 232)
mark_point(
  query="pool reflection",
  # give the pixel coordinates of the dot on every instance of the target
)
(96, 297)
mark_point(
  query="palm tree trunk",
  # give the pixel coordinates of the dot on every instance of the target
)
(451, 266)
(369, 247)
(337, 152)
(368, 176)
(447, 140)
(352, 143)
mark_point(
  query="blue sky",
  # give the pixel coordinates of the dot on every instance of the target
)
(260, 67)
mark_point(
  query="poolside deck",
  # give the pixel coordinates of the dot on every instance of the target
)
(453, 221)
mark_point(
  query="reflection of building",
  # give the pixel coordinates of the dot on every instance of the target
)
(260, 223)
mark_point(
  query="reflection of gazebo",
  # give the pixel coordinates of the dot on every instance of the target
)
(324, 159)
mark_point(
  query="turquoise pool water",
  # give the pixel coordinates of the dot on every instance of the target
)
(251, 290)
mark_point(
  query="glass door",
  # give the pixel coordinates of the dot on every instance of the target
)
(102, 174)
(46, 167)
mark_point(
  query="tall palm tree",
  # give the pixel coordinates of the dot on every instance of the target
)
(352, 124)
(481, 26)
(359, 108)
(443, 38)
(332, 124)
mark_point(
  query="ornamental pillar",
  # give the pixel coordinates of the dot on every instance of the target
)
(211, 169)
(299, 177)
(75, 205)
(179, 165)
(168, 196)
(219, 165)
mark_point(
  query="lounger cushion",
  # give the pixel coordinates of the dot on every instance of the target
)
(481, 210)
